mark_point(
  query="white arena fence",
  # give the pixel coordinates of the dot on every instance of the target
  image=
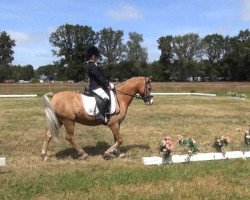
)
(183, 94)
(156, 160)
(18, 95)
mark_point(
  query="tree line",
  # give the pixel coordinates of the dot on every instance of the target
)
(181, 57)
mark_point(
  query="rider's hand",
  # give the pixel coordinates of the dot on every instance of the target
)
(111, 86)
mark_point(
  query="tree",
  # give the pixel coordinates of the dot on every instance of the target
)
(187, 47)
(22, 72)
(213, 52)
(6, 49)
(50, 71)
(71, 43)
(111, 46)
(156, 69)
(5, 73)
(243, 48)
(27, 72)
(127, 69)
(165, 44)
(179, 55)
(135, 52)
(237, 56)
(213, 46)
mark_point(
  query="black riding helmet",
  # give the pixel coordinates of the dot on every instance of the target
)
(92, 51)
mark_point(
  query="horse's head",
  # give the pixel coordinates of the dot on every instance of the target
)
(145, 91)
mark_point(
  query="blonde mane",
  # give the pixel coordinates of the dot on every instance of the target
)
(125, 82)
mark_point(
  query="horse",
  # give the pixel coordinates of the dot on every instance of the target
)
(67, 108)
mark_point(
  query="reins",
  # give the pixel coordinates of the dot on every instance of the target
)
(125, 93)
(137, 95)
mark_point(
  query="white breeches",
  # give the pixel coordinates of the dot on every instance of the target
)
(101, 93)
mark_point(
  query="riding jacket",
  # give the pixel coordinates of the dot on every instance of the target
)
(96, 77)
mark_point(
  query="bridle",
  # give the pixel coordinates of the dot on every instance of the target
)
(146, 97)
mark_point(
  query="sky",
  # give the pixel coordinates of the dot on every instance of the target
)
(30, 22)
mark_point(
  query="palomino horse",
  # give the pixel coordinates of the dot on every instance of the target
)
(67, 107)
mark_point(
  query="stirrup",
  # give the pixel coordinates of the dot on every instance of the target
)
(102, 119)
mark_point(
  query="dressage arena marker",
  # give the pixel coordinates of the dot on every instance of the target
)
(183, 94)
(2, 161)
(156, 160)
(18, 95)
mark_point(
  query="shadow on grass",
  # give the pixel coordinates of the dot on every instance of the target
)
(127, 148)
(97, 150)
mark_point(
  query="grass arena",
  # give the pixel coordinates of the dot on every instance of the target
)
(63, 176)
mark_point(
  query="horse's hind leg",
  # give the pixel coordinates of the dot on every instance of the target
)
(45, 145)
(69, 126)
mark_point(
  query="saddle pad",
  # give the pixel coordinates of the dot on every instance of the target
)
(89, 104)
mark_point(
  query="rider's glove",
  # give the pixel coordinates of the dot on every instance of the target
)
(111, 86)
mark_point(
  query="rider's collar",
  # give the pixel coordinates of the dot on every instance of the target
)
(91, 61)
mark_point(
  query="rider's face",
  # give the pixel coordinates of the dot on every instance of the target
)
(94, 58)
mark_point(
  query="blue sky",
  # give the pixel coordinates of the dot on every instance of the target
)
(30, 22)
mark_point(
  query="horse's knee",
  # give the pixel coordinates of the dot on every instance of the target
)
(69, 137)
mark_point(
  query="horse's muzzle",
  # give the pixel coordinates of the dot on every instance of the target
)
(149, 100)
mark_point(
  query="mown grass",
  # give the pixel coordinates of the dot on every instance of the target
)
(113, 180)
(23, 126)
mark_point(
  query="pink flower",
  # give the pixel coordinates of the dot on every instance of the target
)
(167, 142)
(226, 138)
(180, 138)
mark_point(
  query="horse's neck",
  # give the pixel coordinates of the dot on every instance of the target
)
(127, 92)
(131, 86)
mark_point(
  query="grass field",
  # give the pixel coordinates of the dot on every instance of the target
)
(23, 126)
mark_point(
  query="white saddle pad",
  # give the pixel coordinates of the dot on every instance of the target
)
(90, 104)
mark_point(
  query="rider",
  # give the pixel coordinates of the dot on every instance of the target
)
(98, 83)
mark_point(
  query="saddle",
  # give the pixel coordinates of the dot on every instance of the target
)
(90, 98)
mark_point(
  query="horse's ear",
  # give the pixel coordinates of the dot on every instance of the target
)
(150, 78)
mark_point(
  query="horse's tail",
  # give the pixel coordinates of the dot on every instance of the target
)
(51, 118)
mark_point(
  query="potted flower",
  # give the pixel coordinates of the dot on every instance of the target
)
(166, 147)
(219, 143)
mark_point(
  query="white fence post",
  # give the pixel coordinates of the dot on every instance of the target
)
(2, 162)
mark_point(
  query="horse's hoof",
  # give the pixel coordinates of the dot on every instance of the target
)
(83, 157)
(46, 158)
(107, 156)
(119, 154)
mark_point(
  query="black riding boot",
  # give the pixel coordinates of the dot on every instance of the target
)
(102, 107)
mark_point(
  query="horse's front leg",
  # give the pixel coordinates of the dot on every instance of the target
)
(115, 128)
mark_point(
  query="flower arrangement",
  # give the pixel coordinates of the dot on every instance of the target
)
(234, 94)
(219, 143)
(188, 144)
(166, 147)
